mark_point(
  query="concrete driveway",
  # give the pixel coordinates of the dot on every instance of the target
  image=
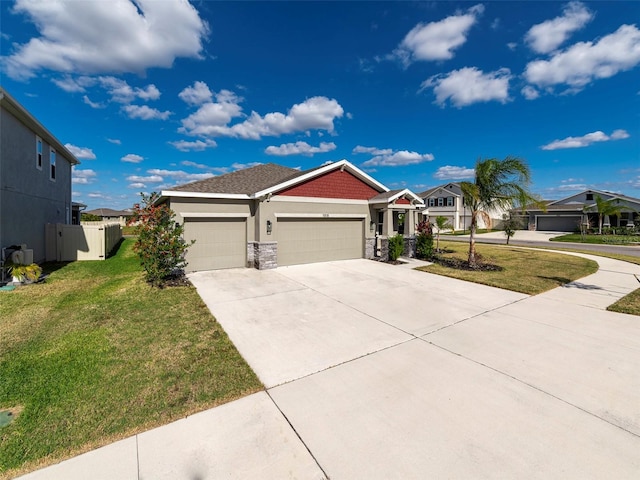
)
(377, 371)
(386, 372)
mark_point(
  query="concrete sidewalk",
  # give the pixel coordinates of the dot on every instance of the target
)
(380, 371)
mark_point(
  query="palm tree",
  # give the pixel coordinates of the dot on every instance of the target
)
(605, 208)
(498, 184)
(443, 224)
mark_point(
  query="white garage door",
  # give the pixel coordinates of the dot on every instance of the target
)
(319, 240)
(558, 224)
(220, 243)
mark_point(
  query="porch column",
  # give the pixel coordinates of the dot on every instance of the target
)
(387, 226)
(410, 218)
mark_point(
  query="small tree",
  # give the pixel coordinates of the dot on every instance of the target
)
(424, 240)
(442, 224)
(605, 208)
(510, 224)
(160, 244)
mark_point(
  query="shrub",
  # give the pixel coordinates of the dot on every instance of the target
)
(396, 247)
(30, 273)
(160, 244)
(424, 246)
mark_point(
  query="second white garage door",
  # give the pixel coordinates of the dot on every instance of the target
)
(319, 240)
(220, 243)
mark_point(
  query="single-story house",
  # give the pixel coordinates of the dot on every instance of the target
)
(568, 214)
(270, 215)
(447, 201)
(108, 215)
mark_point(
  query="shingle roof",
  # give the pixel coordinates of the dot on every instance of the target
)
(108, 212)
(247, 181)
(384, 196)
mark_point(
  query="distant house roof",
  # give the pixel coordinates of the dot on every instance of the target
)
(263, 180)
(11, 105)
(108, 212)
(431, 191)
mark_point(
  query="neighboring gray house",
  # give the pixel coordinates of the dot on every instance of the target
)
(35, 179)
(270, 215)
(446, 201)
(567, 214)
(109, 215)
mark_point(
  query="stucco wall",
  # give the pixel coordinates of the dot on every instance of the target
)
(29, 199)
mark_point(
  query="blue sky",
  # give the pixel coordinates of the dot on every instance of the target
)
(152, 94)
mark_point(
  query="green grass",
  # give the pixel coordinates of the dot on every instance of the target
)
(598, 239)
(524, 271)
(629, 304)
(94, 355)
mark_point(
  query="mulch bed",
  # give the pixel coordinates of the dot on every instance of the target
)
(464, 265)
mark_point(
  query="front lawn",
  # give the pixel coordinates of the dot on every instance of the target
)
(598, 239)
(95, 354)
(525, 271)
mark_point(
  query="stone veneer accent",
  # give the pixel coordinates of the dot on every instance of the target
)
(409, 246)
(384, 249)
(251, 249)
(369, 248)
(265, 255)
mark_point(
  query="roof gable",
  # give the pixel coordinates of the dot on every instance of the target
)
(449, 189)
(334, 184)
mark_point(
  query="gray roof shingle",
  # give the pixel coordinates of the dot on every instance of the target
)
(246, 181)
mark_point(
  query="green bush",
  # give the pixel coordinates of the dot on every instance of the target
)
(396, 247)
(424, 246)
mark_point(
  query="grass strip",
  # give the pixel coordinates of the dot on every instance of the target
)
(95, 354)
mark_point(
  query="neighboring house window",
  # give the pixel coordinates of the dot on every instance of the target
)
(38, 153)
(52, 163)
(589, 196)
(440, 201)
(432, 202)
(449, 201)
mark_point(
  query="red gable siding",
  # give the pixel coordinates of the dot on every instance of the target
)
(335, 184)
(403, 201)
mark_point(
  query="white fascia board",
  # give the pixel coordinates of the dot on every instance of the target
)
(355, 216)
(284, 198)
(227, 196)
(214, 215)
(321, 171)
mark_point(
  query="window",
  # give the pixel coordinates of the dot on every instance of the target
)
(432, 202)
(440, 202)
(38, 153)
(52, 163)
(589, 196)
(449, 201)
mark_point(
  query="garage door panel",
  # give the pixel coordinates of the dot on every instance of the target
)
(558, 224)
(319, 240)
(220, 243)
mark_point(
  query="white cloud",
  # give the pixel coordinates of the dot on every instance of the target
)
(137, 185)
(83, 177)
(529, 92)
(81, 153)
(585, 140)
(469, 85)
(96, 37)
(179, 175)
(196, 95)
(115, 141)
(132, 158)
(454, 173)
(211, 119)
(122, 92)
(73, 85)
(88, 101)
(149, 178)
(437, 40)
(145, 113)
(372, 150)
(400, 158)
(242, 166)
(201, 166)
(195, 146)
(585, 62)
(299, 148)
(545, 37)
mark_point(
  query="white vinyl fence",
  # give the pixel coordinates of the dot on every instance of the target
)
(66, 243)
